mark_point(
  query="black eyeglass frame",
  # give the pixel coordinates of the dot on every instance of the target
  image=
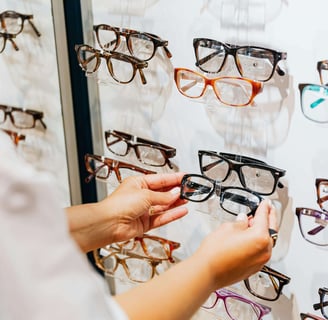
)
(322, 304)
(231, 49)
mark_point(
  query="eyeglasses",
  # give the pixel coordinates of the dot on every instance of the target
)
(312, 224)
(267, 284)
(120, 66)
(21, 118)
(101, 168)
(252, 62)
(15, 136)
(148, 152)
(322, 193)
(152, 246)
(306, 316)
(232, 91)
(199, 188)
(237, 306)
(322, 65)
(3, 41)
(141, 45)
(13, 22)
(136, 268)
(323, 293)
(253, 174)
(314, 102)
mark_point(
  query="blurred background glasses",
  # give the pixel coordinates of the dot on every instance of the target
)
(198, 188)
(237, 306)
(322, 193)
(15, 136)
(267, 284)
(120, 66)
(232, 91)
(314, 102)
(323, 304)
(309, 316)
(21, 118)
(148, 152)
(141, 45)
(3, 41)
(252, 62)
(253, 174)
(135, 267)
(101, 167)
(153, 247)
(313, 225)
(322, 67)
(13, 22)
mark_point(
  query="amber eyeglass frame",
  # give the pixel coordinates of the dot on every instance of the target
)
(168, 246)
(128, 33)
(10, 37)
(113, 165)
(306, 316)
(99, 261)
(15, 136)
(134, 142)
(257, 86)
(137, 65)
(37, 115)
(273, 274)
(16, 15)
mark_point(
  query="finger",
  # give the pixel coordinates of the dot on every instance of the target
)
(167, 217)
(241, 221)
(261, 217)
(158, 209)
(162, 181)
(160, 198)
(273, 218)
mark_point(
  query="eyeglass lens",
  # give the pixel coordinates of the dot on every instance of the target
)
(256, 178)
(229, 90)
(313, 225)
(252, 62)
(314, 102)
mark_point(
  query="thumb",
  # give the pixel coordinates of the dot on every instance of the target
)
(242, 221)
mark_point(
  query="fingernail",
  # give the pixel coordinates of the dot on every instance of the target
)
(241, 217)
(175, 190)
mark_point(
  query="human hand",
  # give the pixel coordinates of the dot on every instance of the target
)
(236, 250)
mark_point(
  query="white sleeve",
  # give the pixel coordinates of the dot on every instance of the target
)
(43, 274)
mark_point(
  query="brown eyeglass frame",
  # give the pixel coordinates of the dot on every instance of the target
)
(320, 200)
(99, 261)
(305, 316)
(322, 65)
(10, 37)
(113, 165)
(128, 33)
(16, 15)
(322, 304)
(282, 278)
(37, 115)
(168, 246)
(137, 64)
(166, 151)
(257, 86)
(15, 136)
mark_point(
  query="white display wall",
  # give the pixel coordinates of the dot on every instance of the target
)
(30, 79)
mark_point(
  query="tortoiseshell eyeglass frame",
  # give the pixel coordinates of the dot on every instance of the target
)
(15, 136)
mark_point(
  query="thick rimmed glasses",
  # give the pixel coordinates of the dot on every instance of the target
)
(309, 316)
(13, 22)
(253, 174)
(322, 193)
(267, 284)
(120, 66)
(252, 62)
(148, 152)
(15, 136)
(141, 45)
(237, 306)
(314, 102)
(153, 247)
(313, 225)
(101, 167)
(232, 91)
(235, 200)
(3, 41)
(136, 268)
(21, 118)
(323, 304)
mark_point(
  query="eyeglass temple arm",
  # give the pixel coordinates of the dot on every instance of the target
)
(315, 230)
(37, 32)
(93, 175)
(207, 58)
(142, 76)
(317, 306)
(321, 200)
